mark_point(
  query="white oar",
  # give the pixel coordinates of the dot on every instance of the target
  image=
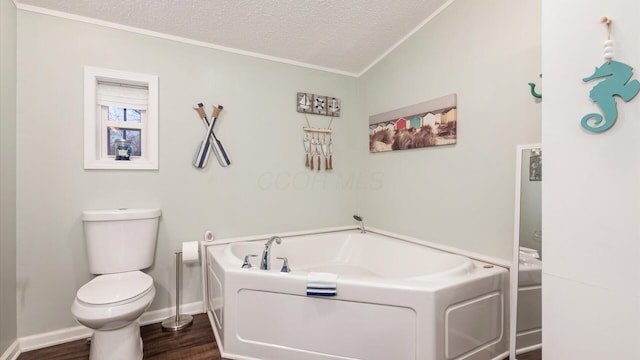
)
(216, 144)
(219, 151)
(200, 160)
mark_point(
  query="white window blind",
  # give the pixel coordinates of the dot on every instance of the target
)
(122, 95)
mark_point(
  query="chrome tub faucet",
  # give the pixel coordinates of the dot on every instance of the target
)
(265, 263)
(359, 219)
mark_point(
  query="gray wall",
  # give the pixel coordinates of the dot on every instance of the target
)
(461, 195)
(458, 195)
(267, 189)
(8, 325)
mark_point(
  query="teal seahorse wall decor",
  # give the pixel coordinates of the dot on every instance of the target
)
(616, 83)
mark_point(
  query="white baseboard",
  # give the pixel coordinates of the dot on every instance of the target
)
(12, 352)
(156, 316)
(62, 336)
(55, 337)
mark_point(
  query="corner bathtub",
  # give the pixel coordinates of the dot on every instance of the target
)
(395, 300)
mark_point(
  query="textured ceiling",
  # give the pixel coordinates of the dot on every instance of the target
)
(346, 36)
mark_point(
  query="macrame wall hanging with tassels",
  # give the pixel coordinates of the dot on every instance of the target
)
(616, 82)
(315, 139)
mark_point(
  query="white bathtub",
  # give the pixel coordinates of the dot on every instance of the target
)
(395, 300)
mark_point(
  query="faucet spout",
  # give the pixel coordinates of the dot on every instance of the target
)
(359, 219)
(265, 263)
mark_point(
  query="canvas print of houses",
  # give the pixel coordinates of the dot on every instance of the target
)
(430, 123)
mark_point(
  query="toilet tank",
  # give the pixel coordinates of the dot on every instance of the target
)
(120, 240)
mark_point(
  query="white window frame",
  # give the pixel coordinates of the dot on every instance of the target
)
(94, 156)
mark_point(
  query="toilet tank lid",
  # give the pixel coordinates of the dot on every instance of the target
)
(113, 288)
(120, 214)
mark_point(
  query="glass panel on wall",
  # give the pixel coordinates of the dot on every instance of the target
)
(122, 114)
(122, 133)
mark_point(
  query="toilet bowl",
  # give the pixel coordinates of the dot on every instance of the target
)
(109, 302)
(120, 243)
(111, 305)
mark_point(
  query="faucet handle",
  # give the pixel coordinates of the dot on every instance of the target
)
(285, 264)
(246, 264)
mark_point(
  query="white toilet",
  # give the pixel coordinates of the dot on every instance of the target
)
(119, 244)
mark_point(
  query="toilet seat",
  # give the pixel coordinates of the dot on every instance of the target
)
(118, 288)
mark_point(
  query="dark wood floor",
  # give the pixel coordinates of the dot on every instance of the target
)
(193, 343)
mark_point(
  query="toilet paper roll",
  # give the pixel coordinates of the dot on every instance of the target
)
(190, 252)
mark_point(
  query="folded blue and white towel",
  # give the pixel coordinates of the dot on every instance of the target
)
(322, 284)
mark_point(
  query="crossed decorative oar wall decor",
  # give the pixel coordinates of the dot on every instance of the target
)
(210, 143)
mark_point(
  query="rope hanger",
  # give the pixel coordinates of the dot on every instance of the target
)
(608, 44)
(607, 21)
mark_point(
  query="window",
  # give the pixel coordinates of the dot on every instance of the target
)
(120, 105)
(122, 123)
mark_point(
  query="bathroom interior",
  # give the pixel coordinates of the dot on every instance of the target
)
(458, 196)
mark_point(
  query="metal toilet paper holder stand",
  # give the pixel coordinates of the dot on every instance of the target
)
(177, 322)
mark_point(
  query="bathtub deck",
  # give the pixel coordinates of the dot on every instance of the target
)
(194, 343)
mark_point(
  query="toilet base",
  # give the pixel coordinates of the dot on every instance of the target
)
(123, 343)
